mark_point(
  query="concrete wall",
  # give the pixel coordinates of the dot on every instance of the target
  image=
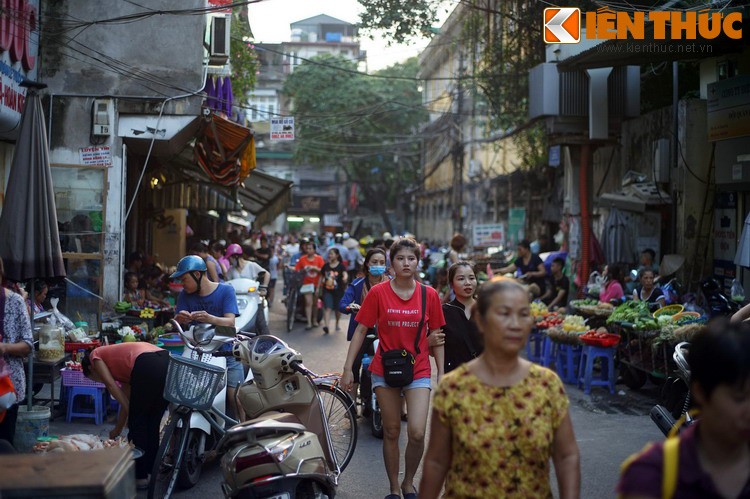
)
(139, 64)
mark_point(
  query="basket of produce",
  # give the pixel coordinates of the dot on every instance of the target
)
(669, 310)
(538, 309)
(550, 321)
(629, 312)
(592, 307)
(688, 331)
(600, 338)
(559, 335)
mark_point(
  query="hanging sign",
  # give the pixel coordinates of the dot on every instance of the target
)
(729, 108)
(19, 41)
(488, 235)
(96, 156)
(282, 128)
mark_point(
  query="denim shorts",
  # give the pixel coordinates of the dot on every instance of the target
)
(235, 373)
(417, 383)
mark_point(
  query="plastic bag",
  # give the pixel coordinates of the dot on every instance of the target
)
(59, 318)
(737, 291)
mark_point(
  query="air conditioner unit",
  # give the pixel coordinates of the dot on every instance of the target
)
(218, 52)
(475, 168)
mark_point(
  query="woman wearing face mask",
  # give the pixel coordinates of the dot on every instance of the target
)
(460, 334)
(404, 312)
(374, 269)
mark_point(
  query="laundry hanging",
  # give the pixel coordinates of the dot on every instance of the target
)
(225, 150)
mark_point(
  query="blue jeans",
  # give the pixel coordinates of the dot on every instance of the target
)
(417, 383)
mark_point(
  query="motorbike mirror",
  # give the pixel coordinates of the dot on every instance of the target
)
(203, 334)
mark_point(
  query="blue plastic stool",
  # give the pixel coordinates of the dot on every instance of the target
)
(566, 362)
(549, 351)
(88, 391)
(607, 373)
(535, 346)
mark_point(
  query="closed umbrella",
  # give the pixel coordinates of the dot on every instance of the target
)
(29, 241)
(742, 257)
(618, 240)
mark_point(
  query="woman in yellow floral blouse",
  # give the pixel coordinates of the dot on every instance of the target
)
(498, 419)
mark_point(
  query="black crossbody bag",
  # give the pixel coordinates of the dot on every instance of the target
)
(398, 365)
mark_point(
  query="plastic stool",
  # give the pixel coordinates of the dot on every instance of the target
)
(566, 362)
(90, 391)
(607, 373)
(535, 346)
(549, 350)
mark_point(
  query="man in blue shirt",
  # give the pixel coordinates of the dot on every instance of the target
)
(202, 301)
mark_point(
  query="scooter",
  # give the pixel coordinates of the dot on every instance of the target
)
(675, 395)
(253, 317)
(285, 450)
(716, 301)
(202, 437)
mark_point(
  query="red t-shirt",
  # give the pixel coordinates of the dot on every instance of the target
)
(310, 277)
(120, 358)
(397, 321)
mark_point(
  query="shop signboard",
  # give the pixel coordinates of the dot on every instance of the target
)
(282, 128)
(19, 41)
(313, 204)
(95, 156)
(725, 237)
(217, 4)
(729, 108)
(516, 225)
(488, 235)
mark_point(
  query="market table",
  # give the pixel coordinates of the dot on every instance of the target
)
(105, 473)
(46, 373)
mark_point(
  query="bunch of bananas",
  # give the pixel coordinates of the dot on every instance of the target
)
(147, 313)
(122, 306)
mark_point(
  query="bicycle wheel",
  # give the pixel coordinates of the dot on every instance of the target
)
(342, 422)
(168, 459)
(291, 308)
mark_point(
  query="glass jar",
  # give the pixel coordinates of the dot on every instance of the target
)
(51, 343)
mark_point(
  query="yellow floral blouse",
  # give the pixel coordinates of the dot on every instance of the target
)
(501, 437)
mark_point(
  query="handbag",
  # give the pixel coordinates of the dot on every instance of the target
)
(306, 289)
(398, 365)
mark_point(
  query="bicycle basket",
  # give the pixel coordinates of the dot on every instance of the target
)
(192, 383)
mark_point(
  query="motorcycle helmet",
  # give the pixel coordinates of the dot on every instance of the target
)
(190, 263)
(233, 249)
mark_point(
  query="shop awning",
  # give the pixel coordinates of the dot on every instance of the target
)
(189, 187)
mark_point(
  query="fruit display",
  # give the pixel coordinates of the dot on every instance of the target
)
(574, 323)
(539, 309)
(147, 313)
(559, 335)
(551, 320)
(600, 338)
(590, 302)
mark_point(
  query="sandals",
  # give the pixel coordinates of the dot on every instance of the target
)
(410, 495)
(325, 329)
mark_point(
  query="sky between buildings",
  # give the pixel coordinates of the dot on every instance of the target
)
(269, 21)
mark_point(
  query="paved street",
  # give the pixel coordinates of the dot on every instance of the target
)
(606, 428)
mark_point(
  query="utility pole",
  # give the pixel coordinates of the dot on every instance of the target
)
(458, 150)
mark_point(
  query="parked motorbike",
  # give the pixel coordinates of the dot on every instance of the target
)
(253, 317)
(675, 395)
(196, 386)
(203, 437)
(293, 447)
(717, 303)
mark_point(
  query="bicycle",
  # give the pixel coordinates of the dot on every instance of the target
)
(292, 295)
(192, 385)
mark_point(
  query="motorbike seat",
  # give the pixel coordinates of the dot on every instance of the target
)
(267, 424)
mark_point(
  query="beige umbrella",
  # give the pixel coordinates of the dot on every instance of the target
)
(670, 264)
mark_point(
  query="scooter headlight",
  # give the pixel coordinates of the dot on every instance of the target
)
(251, 289)
(284, 448)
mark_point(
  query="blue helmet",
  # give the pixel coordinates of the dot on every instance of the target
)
(190, 263)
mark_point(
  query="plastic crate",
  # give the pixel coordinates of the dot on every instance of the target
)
(72, 377)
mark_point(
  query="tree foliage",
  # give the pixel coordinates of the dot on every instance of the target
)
(400, 20)
(363, 124)
(244, 59)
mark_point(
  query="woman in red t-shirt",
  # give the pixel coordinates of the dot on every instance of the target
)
(311, 263)
(395, 308)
